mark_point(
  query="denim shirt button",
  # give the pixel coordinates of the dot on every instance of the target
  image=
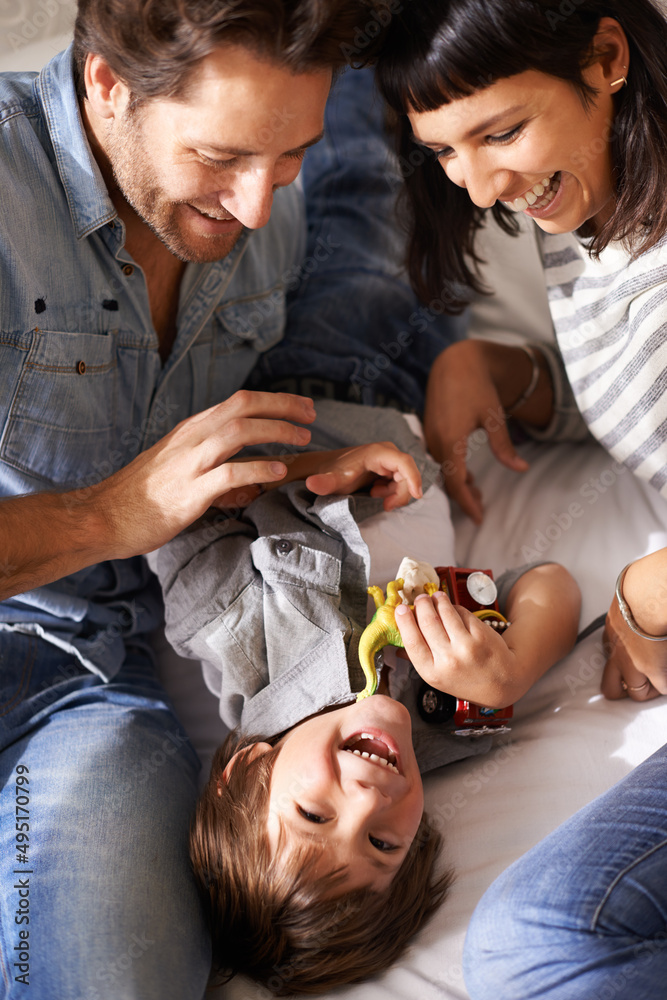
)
(128, 269)
(283, 547)
(81, 367)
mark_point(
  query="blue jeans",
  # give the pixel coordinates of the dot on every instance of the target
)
(355, 329)
(583, 916)
(98, 785)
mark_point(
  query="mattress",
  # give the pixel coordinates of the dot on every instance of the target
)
(566, 745)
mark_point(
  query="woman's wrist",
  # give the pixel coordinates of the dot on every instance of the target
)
(519, 403)
(522, 380)
(644, 590)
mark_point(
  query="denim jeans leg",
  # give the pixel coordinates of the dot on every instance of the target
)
(583, 916)
(98, 785)
(355, 329)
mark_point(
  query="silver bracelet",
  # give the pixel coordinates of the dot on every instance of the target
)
(627, 614)
(532, 385)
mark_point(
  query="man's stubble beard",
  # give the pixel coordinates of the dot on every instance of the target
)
(137, 182)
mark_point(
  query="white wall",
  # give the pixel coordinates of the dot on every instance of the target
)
(32, 31)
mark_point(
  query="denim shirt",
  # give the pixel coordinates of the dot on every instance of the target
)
(82, 387)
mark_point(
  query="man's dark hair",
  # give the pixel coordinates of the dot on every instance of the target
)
(153, 45)
(437, 51)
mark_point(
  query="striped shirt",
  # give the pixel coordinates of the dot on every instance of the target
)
(610, 318)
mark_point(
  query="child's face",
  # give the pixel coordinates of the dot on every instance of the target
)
(365, 812)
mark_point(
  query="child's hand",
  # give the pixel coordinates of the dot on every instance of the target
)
(453, 651)
(456, 652)
(394, 474)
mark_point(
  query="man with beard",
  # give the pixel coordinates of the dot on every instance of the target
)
(147, 236)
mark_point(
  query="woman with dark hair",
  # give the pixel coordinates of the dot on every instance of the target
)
(557, 110)
(522, 107)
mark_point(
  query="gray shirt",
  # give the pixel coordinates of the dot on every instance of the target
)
(273, 600)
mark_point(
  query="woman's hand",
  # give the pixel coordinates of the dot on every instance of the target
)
(454, 651)
(393, 473)
(470, 386)
(636, 667)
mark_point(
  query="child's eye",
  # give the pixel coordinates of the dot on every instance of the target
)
(311, 817)
(382, 845)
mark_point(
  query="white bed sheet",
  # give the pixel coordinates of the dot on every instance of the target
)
(567, 743)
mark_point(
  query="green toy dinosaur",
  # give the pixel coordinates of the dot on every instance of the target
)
(381, 631)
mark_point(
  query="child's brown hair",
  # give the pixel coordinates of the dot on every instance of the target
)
(278, 919)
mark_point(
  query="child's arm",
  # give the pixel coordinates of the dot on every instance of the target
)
(393, 473)
(456, 652)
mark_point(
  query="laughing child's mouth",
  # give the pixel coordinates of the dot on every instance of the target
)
(373, 749)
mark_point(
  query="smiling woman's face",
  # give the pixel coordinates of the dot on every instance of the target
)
(529, 141)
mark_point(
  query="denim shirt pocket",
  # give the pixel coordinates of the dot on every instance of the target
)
(257, 321)
(240, 330)
(63, 420)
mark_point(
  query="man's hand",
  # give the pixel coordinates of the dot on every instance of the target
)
(637, 668)
(45, 536)
(453, 651)
(393, 473)
(170, 485)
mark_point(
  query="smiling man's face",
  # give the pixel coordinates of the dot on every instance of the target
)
(349, 781)
(198, 170)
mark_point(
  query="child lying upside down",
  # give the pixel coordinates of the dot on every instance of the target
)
(317, 863)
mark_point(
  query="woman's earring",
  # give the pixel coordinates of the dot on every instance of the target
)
(622, 80)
